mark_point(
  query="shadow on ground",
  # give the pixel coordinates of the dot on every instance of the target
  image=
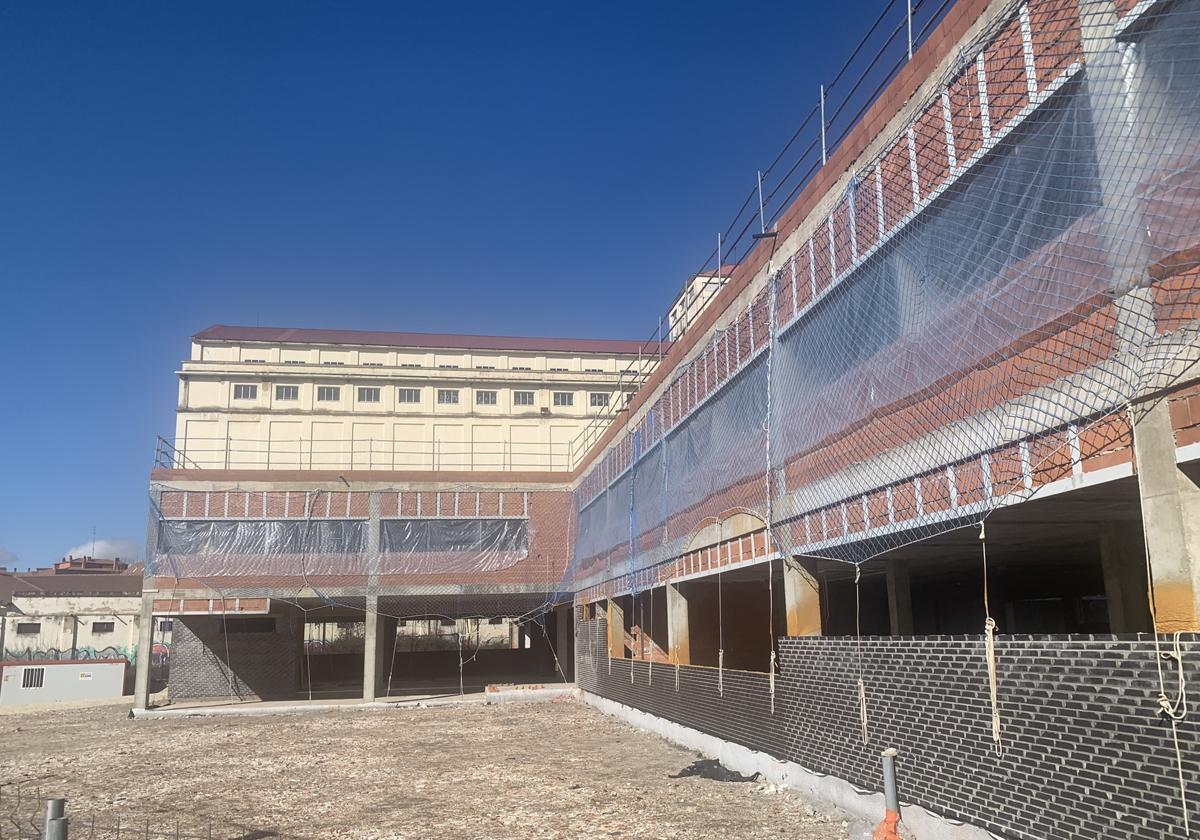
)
(710, 768)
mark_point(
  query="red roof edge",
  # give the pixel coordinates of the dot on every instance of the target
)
(441, 341)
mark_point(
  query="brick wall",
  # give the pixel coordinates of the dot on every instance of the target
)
(1085, 753)
(262, 665)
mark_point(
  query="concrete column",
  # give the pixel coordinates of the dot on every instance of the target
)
(802, 592)
(899, 590)
(141, 674)
(371, 636)
(616, 630)
(1123, 558)
(371, 649)
(564, 640)
(514, 635)
(1171, 518)
(678, 637)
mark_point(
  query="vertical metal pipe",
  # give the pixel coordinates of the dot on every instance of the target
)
(824, 156)
(909, 19)
(762, 221)
(891, 797)
(56, 820)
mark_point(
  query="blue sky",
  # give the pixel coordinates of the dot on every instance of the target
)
(509, 168)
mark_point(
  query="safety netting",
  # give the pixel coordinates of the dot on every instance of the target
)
(962, 322)
(271, 590)
(336, 545)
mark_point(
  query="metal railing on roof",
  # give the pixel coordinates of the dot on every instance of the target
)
(887, 45)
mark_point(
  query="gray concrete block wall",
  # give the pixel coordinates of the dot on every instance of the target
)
(1085, 752)
(262, 665)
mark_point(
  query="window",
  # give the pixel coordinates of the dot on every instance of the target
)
(293, 361)
(408, 395)
(521, 367)
(164, 625)
(33, 677)
(598, 400)
(558, 370)
(522, 397)
(329, 362)
(287, 393)
(372, 364)
(328, 393)
(564, 398)
(592, 370)
(447, 396)
(448, 366)
(255, 361)
(245, 392)
(248, 625)
(368, 395)
(409, 364)
(486, 367)
(103, 626)
(485, 397)
(28, 628)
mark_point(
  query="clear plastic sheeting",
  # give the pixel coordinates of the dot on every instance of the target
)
(262, 548)
(424, 546)
(963, 323)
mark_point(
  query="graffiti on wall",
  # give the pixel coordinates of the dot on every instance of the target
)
(81, 652)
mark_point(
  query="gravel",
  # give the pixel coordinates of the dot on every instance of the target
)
(537, 770)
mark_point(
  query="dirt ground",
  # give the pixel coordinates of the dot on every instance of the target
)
(538, 770)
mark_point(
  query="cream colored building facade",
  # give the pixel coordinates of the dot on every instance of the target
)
(695, 297)
(289, 399)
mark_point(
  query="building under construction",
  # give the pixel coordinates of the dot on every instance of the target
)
(920, 472)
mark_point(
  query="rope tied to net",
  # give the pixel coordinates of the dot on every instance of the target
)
(720, 639)
(989, 646)
(772, 683)
(1174, 710)
(862, 688)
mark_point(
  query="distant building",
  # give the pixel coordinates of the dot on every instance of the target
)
(700, 291)
(81, 608)
(297, 399)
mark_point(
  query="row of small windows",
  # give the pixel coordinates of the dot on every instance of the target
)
(443, 365)
(445, 396)
(33, 628)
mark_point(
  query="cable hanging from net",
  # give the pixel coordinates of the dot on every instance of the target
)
(770, 484)
(720, 637)
(989, 644)
(862, 689)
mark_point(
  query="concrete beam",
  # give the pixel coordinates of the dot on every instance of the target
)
(616, 630)
(1171, 518)
(678, 636)
(899, 591)
(802, 592)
